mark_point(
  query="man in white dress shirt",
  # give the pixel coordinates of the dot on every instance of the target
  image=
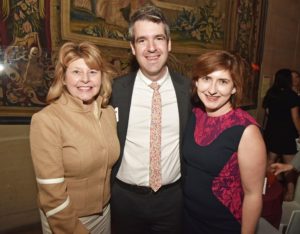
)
(136, 207)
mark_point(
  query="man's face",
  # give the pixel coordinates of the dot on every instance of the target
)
(151, 47)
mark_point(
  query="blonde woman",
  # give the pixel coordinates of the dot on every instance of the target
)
(74, 144)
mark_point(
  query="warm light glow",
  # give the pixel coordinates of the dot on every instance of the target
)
(1, 67)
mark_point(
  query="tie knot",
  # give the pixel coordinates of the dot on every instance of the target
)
(154, 86)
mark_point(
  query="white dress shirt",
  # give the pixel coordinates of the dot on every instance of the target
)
(135, 163)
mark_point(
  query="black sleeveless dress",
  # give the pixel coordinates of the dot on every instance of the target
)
(280, 131)
(213, 192)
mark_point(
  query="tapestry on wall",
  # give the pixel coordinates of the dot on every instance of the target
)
(26, 55)
(196, 26)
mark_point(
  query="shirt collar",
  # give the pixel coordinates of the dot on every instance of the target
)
(147, 81)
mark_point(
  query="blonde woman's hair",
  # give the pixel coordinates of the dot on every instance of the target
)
(92, 56)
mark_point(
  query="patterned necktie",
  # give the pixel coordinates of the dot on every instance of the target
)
(155, 139)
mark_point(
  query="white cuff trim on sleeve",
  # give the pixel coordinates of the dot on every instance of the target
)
(50, 181)
(58, 209)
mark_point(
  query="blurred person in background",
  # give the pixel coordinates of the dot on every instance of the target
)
(296, 82)
(281, 104)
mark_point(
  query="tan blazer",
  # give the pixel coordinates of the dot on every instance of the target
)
(73, 151)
